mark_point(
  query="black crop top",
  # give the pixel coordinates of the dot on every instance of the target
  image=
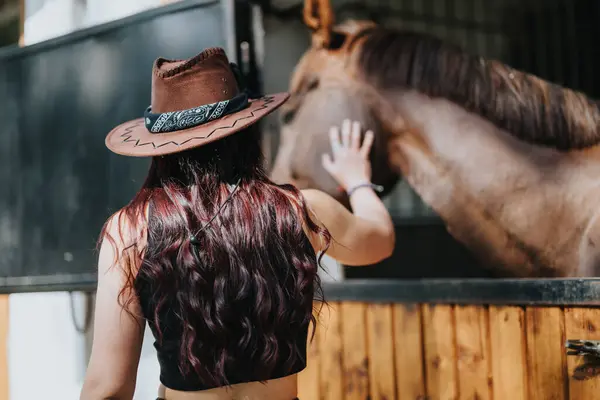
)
(168, 348)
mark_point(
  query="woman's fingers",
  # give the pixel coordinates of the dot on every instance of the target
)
(367, 143)
(350, 138)
(355, 136)
(334, 139)
(346, 128)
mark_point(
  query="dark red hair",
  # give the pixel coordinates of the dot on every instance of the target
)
(251, 275)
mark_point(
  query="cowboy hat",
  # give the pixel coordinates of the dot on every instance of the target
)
(194, 102)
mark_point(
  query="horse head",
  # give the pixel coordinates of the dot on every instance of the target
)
(324, 92)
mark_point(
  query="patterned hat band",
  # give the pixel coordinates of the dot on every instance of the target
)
(179, 120)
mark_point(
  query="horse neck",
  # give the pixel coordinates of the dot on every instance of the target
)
(487, 185)
(454, 135)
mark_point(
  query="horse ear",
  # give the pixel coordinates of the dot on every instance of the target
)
(322, 23)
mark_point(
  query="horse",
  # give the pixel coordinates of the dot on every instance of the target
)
(510, 162)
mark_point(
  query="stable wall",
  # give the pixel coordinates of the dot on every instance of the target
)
(47, 356)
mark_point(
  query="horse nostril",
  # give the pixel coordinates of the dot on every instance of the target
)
(287, 116)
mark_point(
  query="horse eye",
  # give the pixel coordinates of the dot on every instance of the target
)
(287, 116)
(313, 84)
(337, 40)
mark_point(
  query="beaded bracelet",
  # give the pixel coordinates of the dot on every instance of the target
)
(377, 188)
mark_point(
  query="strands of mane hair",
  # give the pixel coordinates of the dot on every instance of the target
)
(526, 106)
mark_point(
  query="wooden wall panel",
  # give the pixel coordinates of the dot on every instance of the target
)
(330, 343)
(408, 347)
(584, 324)
(445, 352)
(508, 352)
(473, 353)
(440, 351)
(546, 364)
(354, 356)
(380, 335)
(309, 379)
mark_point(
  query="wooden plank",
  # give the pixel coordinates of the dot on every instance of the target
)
(472, 353)
(507, 339)
(308, 379)
(4, 389)
(408, 347)
(547, 374)
(354, 355)
(380, 335)
(440, 351)
(583, 324)
(330, 349)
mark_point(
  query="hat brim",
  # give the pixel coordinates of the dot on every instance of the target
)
(133, 139)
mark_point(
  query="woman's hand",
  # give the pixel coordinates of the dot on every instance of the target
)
(350, 164)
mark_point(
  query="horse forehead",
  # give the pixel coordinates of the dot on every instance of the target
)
(307, 66)
(319, 60)
(317, 64)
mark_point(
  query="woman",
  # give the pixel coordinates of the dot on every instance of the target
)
(221, 262)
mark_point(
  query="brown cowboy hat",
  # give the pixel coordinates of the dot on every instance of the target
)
(194, 102)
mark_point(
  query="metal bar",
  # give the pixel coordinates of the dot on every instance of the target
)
(581, 292)
(22, 16)
(48, 283)
(229, 26)
(559, 38)
(449, 31)
(468, 41)
(9, 12)
(571, 53)
(571, 48)
(524, 292)
(427, 11)
(540, 59)
(477, 14)
(588, 70)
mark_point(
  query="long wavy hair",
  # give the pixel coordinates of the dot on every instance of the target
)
(226, 255)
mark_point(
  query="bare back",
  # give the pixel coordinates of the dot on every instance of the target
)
(276, 389)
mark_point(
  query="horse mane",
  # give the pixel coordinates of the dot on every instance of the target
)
(524, 105)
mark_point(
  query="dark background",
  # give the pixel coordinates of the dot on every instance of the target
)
(58, 182)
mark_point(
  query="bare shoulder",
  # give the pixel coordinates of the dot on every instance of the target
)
(124, 230)
(121, 233)
(319, 200)
(314, 204)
